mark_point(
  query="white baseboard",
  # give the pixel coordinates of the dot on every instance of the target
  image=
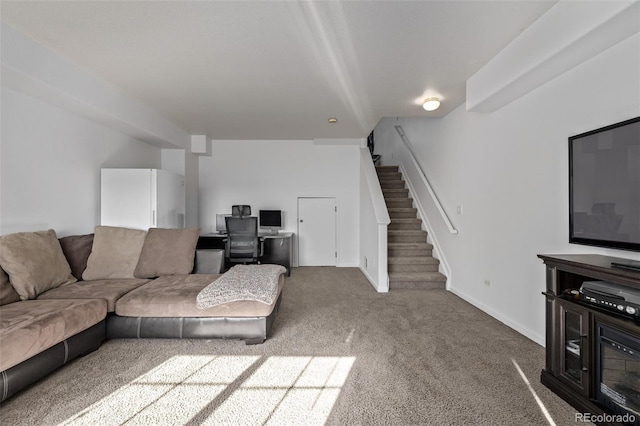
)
(528, 333)
(347, 265)
(371, 280)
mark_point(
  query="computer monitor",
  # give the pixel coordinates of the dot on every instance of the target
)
(221, 224)
(240, 210)
(271, 219)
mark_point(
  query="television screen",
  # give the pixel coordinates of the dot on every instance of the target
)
(604, 186)
(270, 218)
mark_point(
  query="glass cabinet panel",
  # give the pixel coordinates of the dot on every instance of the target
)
(574, 356)
(572, 345)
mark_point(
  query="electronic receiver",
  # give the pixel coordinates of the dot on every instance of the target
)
(617, 298)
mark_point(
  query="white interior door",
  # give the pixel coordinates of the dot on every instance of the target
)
(317, 232)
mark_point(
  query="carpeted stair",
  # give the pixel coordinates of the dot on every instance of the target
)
(410, 261)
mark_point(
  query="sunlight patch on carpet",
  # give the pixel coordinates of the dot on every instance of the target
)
(171, 393)
(273, 390)
(533, 392)
(286, 390)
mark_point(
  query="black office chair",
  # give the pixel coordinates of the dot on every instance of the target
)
(240, 210)
(243, 244)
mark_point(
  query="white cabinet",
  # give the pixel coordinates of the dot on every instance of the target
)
(142, 198)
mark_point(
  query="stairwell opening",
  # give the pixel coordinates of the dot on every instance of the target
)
(411, 264)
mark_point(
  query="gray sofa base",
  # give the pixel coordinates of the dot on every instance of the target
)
(253, 330)
(27, 372)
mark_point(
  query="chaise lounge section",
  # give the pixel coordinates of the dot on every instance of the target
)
(167, 308)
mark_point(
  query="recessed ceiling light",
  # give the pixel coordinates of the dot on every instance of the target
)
(431, 104)
(333, 120)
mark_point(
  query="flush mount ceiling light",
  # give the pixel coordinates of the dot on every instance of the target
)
(333, 120)
(431, 104)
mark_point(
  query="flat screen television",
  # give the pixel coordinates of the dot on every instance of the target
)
(604, 186)
(271, 219)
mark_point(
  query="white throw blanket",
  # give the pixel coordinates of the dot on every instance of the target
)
(243, 282)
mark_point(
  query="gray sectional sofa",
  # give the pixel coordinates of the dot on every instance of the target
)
(61, 298)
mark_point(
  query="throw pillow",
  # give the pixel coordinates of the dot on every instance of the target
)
(76, 249)
(7, 292)
(167, 252)
(114, 253)
(34, 262)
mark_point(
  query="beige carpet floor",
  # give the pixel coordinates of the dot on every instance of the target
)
(340, 354)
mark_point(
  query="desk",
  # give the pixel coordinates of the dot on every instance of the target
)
(277, 248)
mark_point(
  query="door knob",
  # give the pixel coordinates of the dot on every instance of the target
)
(301, 220)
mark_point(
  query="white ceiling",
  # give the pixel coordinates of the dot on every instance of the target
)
(280, 69)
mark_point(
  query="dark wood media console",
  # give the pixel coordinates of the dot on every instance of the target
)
(574, 350)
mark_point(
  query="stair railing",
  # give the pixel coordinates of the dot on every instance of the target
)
(374, 219)
(425, 181)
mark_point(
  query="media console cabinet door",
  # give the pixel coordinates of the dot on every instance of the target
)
(573, 349)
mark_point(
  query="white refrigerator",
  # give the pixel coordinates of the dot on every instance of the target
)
(142, 198)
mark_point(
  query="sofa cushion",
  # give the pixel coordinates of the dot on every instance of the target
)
(76, 249)
(108, 290)
(175, 296)
(114, 253)
(35, 325)
(7, 292)
(167, 252)
(34, 262)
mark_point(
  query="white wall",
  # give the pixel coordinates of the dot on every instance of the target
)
(50, 165)
(374, 219)
(60, 125)
(192, 175)
(273, 174)
(185, 163)
(508, 171)
(33, 69)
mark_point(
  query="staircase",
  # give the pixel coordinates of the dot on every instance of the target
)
(410, 261)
